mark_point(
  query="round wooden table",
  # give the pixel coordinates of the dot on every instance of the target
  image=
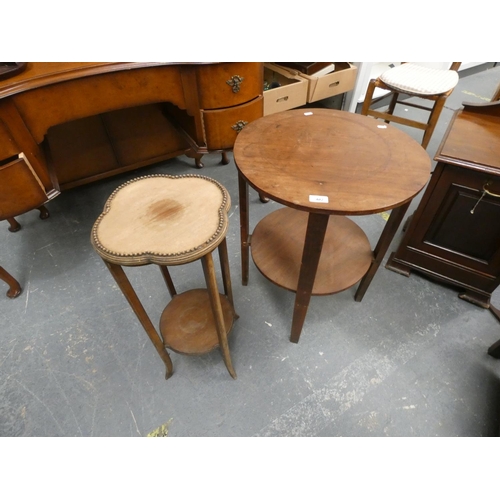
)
(323, 164)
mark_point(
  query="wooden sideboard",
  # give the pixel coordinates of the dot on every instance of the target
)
(69, 124)
(454, 235)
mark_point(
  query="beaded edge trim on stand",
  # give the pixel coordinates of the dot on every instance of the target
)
(223, 208)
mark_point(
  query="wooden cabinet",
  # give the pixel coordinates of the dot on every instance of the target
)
(93, 120)
(224, 98)
(454, 235)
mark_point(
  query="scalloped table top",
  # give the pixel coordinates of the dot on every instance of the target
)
(162, 219)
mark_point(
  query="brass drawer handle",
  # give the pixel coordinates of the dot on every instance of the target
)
(485, 191)
(239, 125)
(235, 83)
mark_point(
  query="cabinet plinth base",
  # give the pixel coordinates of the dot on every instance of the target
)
(277, 245)
(187, 323)
(398, 267)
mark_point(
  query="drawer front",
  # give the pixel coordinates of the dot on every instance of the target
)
(20, 188)
(229, 84)
(222, 126)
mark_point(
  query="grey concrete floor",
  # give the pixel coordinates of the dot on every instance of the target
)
(409, 360)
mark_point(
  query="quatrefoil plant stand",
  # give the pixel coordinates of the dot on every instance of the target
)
(170, 221)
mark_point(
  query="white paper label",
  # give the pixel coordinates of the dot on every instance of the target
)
(316, 198)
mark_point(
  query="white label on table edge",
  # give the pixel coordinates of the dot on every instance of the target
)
(316, 198)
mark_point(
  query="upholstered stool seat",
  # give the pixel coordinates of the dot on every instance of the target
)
(420, 80)
(169, 221)
(416, 81)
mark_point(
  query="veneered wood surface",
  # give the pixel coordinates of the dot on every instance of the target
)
(472, 140)
(20, 188)
(362, 165)
(63, 101)
(39, 74)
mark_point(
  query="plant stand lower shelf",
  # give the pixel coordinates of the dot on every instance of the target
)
(187, 323)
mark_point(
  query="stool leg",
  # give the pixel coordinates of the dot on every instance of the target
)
(213, 292)
(392, 105)
(368, 97)
(168, 281)
(226, 276)
(433, 119)
(14, 286)
(132, 298)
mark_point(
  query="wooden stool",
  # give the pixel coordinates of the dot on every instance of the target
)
(170, 221)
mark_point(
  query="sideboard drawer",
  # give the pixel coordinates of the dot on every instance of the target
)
(222, 126)
(20, 188)
(229, 84)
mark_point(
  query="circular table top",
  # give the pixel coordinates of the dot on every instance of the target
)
(331, 161)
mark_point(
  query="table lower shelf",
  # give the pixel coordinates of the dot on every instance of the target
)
(277, 244)
(187, 324)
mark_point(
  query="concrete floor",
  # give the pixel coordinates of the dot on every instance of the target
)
(409, 360)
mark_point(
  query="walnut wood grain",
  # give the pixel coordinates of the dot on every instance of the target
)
(48, 96)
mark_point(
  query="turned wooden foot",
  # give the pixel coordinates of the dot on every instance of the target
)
(224, 160)
(196, 156)
(14, 225)
(14, 286)
(44, 213)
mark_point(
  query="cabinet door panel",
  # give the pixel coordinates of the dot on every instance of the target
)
(473, 235)
(229, 84)
(463, 226)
